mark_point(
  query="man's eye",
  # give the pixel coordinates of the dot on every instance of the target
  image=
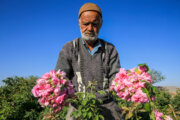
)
(94, 24)
(86, 24)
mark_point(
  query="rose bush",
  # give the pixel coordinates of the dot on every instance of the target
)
(17, 102)
(135, 93)
(53, 89)
(128, 84)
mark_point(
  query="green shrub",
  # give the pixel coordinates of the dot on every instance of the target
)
(176, 102)
(17, 101)
(162, 100)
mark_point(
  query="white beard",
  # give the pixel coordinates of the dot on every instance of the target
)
(89, 38)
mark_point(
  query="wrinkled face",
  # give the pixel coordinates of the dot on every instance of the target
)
(90, 23)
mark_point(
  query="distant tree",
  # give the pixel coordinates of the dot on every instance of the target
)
(156, 76)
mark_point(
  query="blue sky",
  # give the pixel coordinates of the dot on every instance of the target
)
(32, 32)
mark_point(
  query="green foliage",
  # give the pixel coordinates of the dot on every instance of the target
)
(145, 111)
(162, 100)
(121, 102)
(87, 105)
(139, 111)
(17, 101)
(167, 104)
(133, 111)
(176, 102)
(48, 114)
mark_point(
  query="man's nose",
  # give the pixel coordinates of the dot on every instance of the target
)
(90, 27)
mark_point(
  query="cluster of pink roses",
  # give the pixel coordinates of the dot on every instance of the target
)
(158, 116)
(128, 84)
(53, 89)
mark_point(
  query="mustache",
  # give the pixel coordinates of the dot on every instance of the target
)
(90, 33)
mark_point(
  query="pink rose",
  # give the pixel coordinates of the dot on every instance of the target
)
(145, 76)
(133, 69)
(45, 93)
(140, 85)
(153, 98)
(143, 68)
(42, 101)
(111, 87)
(168, 118)
(55, 80)
(140, 97)
(122, 74)
(127, 83)
(57, 91)
(35, 91)
(63, 81)
(158, 115)
(60, 99)
(54, 105)
(59, 72)
(46, 103)
(132, 89)
(45, 90)
(52, 73)
(119, 88)
(53, 89)
(41, 81)
(46, 76)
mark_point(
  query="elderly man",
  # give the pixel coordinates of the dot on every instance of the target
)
(91, 59)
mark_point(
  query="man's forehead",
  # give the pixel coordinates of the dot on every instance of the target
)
(90, 15)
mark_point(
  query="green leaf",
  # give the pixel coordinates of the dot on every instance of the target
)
(97, 117)
(91, 96)
(92, 105)
(84, 114)
(83, 109)
(91, 109)
(125, 108)
(84, 102)
(87, 109)
(152, 116)
(102, 92)
(89, 115)
(100, 101)
(147, 107)
(80, 107)
(79, 112)
(154, 89)
(152, 104)
(100, 116)
(145, 91)
(75, 114)
(93, 101)
(129, 115)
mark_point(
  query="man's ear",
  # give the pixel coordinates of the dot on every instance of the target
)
(79, 22)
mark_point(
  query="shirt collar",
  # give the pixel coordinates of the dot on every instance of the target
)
(98, 44)
(95, 49)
